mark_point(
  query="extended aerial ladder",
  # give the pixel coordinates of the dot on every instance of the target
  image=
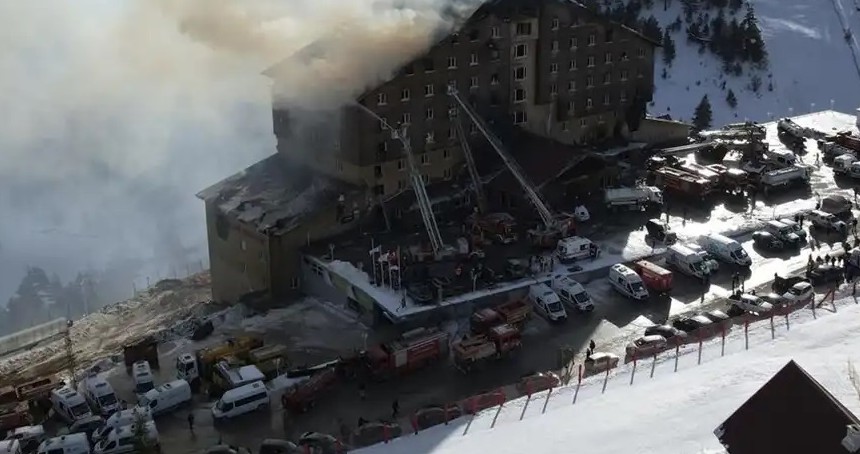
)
(553, 227)
(417, 182)
(470, 161)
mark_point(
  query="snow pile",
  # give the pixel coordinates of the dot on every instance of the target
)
(678, 410)
(810, 65)
(166, 311)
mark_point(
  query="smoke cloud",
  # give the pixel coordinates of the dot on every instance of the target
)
(116, 112)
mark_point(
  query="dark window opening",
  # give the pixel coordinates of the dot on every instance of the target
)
(609, 35)
(474, 35)
(428, 64)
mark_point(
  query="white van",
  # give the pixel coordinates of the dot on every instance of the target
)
(726, 249)
(69, 405)
(781, 158)
(241, 400)
(574, 248)
(143, 378)
(122, 439)
(10, 447)
(547, 303)
(572, 293)
(100, 395)
(122, 418)
(686, 261)
(67, 444)
(627, 282)
(842, 163)
(167, 397)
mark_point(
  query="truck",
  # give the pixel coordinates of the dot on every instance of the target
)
(842, 163)
(200, 366)
(701, 171)
(226, 377)
(654, 277)
(37, 389)
(682, 182)
(781, 178)
(846, 140)
(301, 396)
(730, 179)
(497, 342)
(514, 313)
(687, 261)
(143, 350)
(412, 351)
(787, 126)
(14, 415)
(832, 149)
(634, 199)
(499, 227)
(269, 359)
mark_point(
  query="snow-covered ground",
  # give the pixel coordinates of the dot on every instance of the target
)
(811, 65)
(669, 412)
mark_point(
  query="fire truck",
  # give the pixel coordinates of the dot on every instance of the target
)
(498, 227)
(414, 350)
(682, 182)
(473, 351)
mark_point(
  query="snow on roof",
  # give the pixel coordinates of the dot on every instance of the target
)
(272, 194)
(672, 412)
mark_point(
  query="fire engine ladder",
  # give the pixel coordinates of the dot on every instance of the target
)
(541, 207)
(470, 162)
(417, 181)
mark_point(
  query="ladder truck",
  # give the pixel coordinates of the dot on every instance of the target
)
(555, 227)
(440, 249)
(495, 227)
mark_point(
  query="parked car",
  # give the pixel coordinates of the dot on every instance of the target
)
(698, 324)
(720, 319)
(795, 227)
(671, 334)
(646, 346)
(802, 292)
(321, 443)
(766, 240)
(600, 362)
(538, 382)
(747, 303)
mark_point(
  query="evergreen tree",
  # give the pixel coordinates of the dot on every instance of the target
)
(703, 116)
(731, 99)
(142, 442)
(753, 42)
(668, 48)
(651, 28)
(755, 83)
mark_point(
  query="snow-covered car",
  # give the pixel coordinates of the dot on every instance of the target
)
(746, 303)
(531, 384)
(802, 292)
(825, 273)
(671, 334)
(646, 346)
(766, 240)
(795, 227)
(826, 221)
(320, 443)
(719, 318)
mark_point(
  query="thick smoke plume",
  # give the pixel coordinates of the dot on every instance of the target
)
(116, 112)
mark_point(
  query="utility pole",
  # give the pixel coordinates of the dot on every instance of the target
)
(70, 354)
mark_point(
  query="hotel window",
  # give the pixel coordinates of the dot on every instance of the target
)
(430, 137)
(382, 122)
(474, 35)
(553, 88)
(446, 154)
(428, 114)
(409, 70)
(519, 117)
(473, 82)
(429, 66)
(623, 75)
(473, 129)
(608, 36)
(592, 40)
(641, 52)
(451, 133)
(553, 68)
(399, 164)
(446, 174)
(582, 123)
(588, 103)
(406, 118)
(494, 32)
(573, 43)
(473, 59)
(520, 73)
(555, 23)
(571, 85)
(521, 51)
(623, 97)
(564, 126)
(381, 99)
(572, 65)
(425, 159)
(404, 94)
(606, 99)
(589, 81)
(607, 58)
(452, 62)
(524, 28)
(570, 107)
(519, 95)
(607, 78)
(591, 61)
(494, 79)
(428, 90)
(553, 47)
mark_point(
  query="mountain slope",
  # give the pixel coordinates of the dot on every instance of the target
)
(809, 62)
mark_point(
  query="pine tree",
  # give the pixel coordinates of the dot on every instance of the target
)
(731, 99)
(668, 48)
(703, 116)
(752, 40)
(142, 442)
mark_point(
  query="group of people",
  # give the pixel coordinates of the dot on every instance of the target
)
(541, 264)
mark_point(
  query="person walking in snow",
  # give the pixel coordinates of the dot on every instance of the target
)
(591, 345)
(191, 422)
(395, 409)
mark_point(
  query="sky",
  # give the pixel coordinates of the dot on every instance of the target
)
(118, 112)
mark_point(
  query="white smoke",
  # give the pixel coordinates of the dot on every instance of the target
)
(116, 112)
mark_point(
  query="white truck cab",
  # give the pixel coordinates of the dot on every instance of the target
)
(726, 249)
(143, 378)
(687, 261)
(187, 368)
(69, 404)
(572, 293)
(100, 395)
(842, 163)
(122, 439)
(574, 248)
(547, 303)
(120, 419)
(781, 158)
(624, 280)
(164, 398)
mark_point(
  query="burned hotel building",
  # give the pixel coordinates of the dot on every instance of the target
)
(548, 69)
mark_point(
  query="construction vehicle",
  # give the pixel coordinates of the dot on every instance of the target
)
(515, 313)
(302, 396)
(633, 198)
(270, 359)
(15, 414)
(682, 182)
(143, 350)
(201, 365)
(439, 248)
(554, 226)
(414, 350)
(847, 140)
(700, 171)
(473, 351)
(499, 227)
(226, 377)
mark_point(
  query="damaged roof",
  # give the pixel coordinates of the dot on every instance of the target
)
(274, 195)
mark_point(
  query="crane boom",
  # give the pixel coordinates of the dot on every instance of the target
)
(470, 162)
(424, 205)
(541, 207)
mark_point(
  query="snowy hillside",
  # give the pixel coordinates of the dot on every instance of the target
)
(809, 62)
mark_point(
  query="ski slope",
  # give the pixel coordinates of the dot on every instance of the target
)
(671, 412)
(809, 60)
